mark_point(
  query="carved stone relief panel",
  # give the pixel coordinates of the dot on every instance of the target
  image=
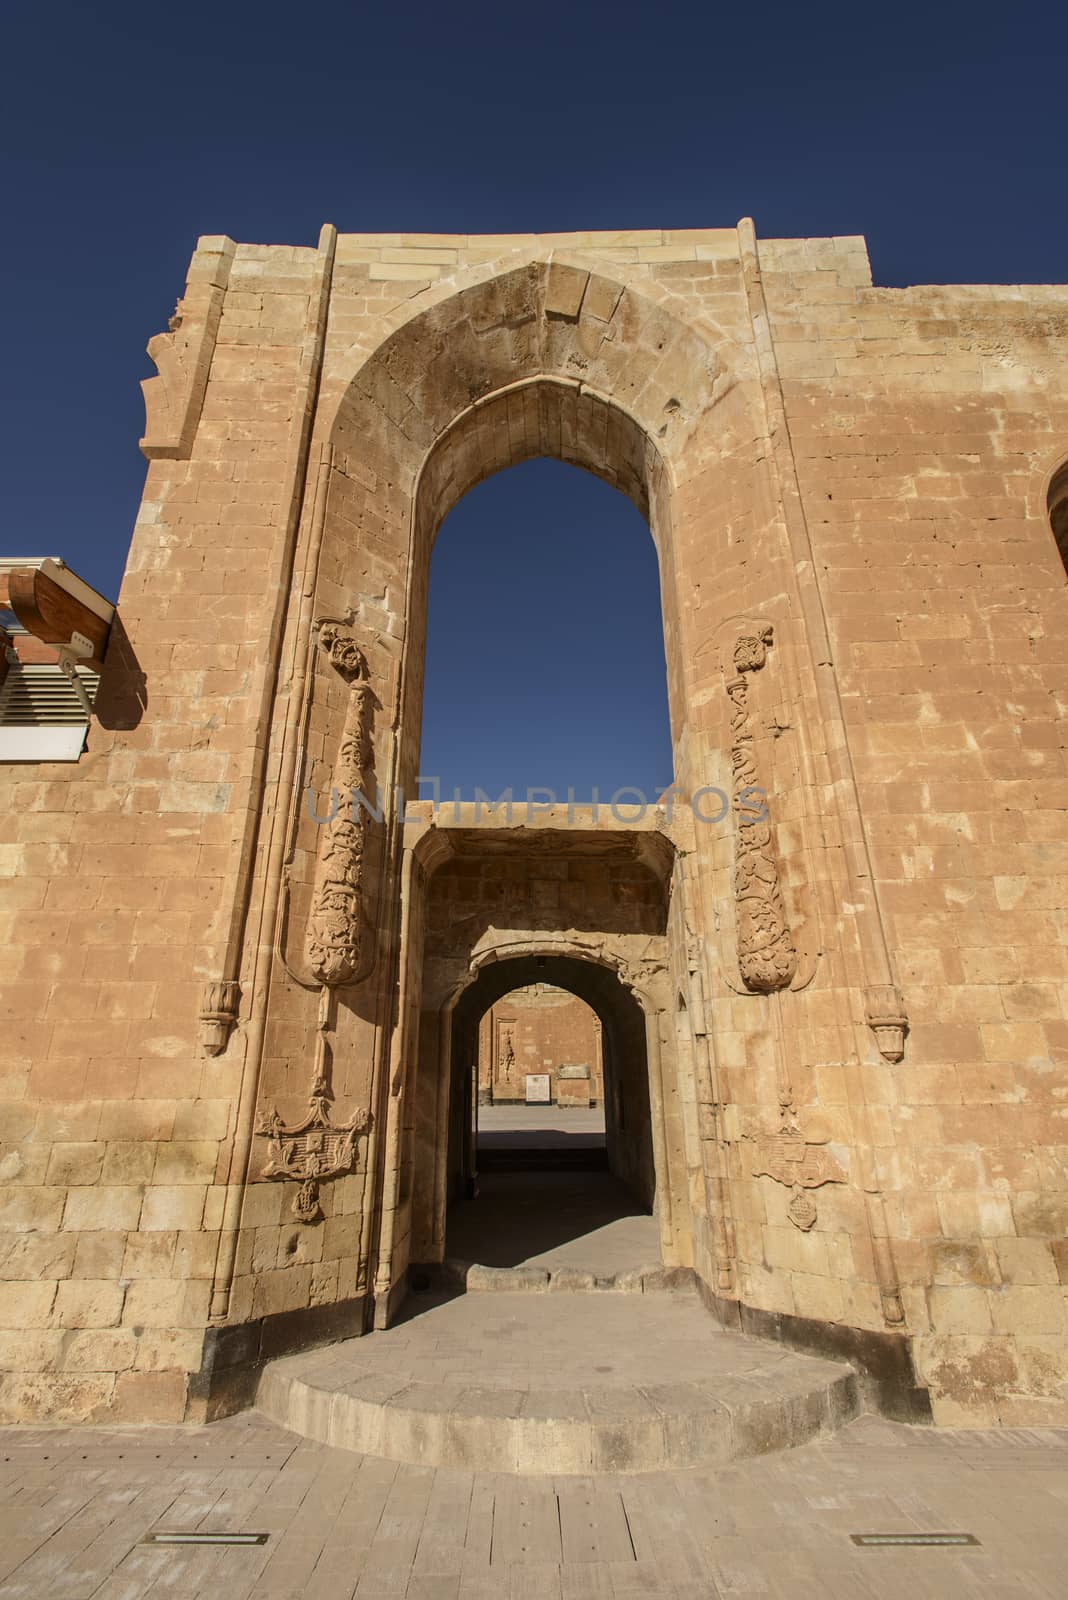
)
(334, 945)
(801, 1165)
(767, 955)
(315, 1147)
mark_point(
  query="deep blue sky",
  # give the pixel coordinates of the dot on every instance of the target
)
(937, 130)
(545, 650)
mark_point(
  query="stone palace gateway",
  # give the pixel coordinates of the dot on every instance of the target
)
(241, 1022)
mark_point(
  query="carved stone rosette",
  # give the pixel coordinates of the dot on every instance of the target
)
(767, 957)
(218, 1013)
(310, 1150)
(335, 923)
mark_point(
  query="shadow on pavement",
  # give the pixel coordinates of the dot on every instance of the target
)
(589, 1219)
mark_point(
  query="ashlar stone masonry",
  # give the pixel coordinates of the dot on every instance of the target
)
(835, 1035)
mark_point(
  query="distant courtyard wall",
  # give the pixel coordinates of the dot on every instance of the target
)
(537, 1031)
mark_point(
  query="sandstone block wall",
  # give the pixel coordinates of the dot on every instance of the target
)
(926, 425)
(849, 488)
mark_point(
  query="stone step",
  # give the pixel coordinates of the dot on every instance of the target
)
(476, 1278)
(558, 1383)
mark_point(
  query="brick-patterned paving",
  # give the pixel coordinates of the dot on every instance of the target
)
(77, 1502)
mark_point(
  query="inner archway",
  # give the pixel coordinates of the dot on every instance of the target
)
(594, 1209)
(539, 1083)
(551, 424)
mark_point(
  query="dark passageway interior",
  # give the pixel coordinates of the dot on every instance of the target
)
(586, 1220)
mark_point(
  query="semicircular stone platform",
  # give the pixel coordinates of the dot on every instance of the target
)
(558, 1383)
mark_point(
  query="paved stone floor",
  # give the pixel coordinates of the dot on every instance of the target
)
(77, 1503)
(541, 1341)
(587, 1220)
(557, 1381)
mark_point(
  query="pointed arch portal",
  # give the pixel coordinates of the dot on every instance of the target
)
(531, 356)
(545, 358)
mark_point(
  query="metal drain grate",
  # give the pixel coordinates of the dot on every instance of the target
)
(898, 1539)
(205, 1538)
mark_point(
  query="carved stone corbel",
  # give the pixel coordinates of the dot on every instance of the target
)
(767, 956)
(218, 1013)
(334, 938)
(888, 1020)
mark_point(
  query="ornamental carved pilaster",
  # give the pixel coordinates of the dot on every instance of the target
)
(767, 956)
(335, 922)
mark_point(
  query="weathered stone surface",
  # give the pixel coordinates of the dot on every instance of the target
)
(834, 1036)
(505, 1280)
(390, 1394)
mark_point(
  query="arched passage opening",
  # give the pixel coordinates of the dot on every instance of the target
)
(534, 1211)
(542, 418)
(544, 1034)
(543, 359)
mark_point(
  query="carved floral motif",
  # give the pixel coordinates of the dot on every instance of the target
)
(767, 957)
(335, 923)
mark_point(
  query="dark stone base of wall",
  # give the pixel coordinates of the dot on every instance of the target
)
(235, 1356)
(883, 1360)
(534, 1105)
